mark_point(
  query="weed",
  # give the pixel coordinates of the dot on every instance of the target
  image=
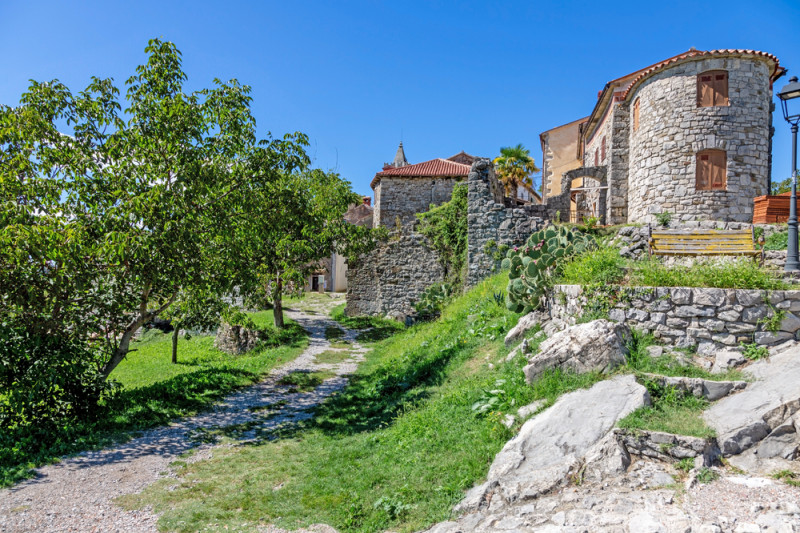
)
(664, 218)
(706, 475)
(788, 477)
(685, 464)
(753, 351)
(494, 399)
(772, 322)
(602, 266)
(777, 241)
(671, 412)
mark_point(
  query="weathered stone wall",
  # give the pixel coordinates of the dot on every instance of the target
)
(710, 319)
(405, 196)
(672, 129)
(490, 221)
(617, 166)
(389, 280)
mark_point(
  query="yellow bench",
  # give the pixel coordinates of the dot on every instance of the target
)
(700, 242)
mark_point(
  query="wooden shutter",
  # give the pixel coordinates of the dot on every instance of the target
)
(603, 150)
(712, 88)
(702, 180)
(711, 174)
(595, 157)
(721, 88)
(636, 115)
(718, 170)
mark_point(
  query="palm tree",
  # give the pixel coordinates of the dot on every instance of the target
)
(514, 168)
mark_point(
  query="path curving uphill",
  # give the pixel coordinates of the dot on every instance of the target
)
(76, 494)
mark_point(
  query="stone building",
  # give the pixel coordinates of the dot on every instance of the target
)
(402, 190)
(689, 136)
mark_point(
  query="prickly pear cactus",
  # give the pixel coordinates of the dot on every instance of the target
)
(530, 266)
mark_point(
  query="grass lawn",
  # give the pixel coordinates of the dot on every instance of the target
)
(395, 450)
(154, 391)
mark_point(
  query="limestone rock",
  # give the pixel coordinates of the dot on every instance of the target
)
(598, 345)
(551, 445)
(236, 340)
(698, 387)
(727, 359)
(525, 324)
(742, 420)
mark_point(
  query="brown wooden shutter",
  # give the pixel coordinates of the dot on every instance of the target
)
(718, 170)
(702, 180)
(603, 150)
(636, 115)
(705, 90)
(595, 157)
(720, 88)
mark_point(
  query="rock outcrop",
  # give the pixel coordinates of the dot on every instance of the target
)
(236, 340)
(599, 346)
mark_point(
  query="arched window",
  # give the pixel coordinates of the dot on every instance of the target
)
(711, 174)
(712, 88)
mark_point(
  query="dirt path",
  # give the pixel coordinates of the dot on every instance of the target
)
(77, 494)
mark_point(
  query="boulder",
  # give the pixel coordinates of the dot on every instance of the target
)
(236, 340)
(599, 345)
(552, 445)
(698, 387)
(727, 359)
(743, 420)
(525, 324)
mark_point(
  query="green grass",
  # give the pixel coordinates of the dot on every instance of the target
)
(777, 241)
(737, 274)
(332, 357)
(376, 328)
(154, 391)
(603, 265)
(788, 477)
(302, 381)
(395, 450)
(333, 332)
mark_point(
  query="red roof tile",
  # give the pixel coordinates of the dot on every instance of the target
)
(700, 53)
(432, 168)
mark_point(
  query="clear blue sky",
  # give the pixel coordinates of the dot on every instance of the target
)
(356, 77)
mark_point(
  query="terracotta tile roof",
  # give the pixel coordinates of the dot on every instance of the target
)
(432, 168)
(777, 69)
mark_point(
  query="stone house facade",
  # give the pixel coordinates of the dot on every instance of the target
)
(690, 136)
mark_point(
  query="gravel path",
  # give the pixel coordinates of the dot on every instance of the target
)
(77, 494)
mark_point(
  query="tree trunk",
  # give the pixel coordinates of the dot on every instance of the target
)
(277, 302)
(175, 345)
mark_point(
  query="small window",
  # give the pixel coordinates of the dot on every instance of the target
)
(712, 88)
(711, 171)
(636, 115)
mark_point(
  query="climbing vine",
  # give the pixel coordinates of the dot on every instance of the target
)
(445, 227)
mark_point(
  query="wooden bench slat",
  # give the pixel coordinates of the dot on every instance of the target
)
(698, 242)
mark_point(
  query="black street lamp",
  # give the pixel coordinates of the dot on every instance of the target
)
(790, 92)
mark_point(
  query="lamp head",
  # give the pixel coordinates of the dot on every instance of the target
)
(790, 91)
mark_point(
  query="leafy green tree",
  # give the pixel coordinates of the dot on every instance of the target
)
(515, 167)
(107, 216)
(289, 221)
(445, 227)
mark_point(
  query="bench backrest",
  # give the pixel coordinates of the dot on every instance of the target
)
(703, 242)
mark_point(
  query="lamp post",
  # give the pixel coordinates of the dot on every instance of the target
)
(790, 92)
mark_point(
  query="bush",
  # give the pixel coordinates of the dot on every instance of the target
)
(47, 379)
(432, 300)
(777, 241)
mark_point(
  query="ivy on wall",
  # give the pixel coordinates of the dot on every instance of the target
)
(445, 227)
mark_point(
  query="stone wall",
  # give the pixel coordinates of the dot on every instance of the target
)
(387, 281)
(490, 221)
(706, 318)
(405, 196)
(672, 129)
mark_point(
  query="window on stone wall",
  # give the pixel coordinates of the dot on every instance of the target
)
(636, 115)
(712, 88)
(711, 170)
(596, 162)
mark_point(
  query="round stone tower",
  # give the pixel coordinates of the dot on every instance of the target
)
(699, 136)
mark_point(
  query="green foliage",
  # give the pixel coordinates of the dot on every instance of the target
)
(753, 351)
(788, 477)
(685, 465)
(304, 381)
(333, 332)
(781, 187)
(602, 266)
(589, 223)
(772, 322)
(493, 399)
(706, 475)
(374, 328)
(736, 274)
(664, 218)
(777, 241)
(515, 166)
(432, 300)
(531, 267)
(445, 227)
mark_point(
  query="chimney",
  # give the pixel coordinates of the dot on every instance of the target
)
(367, 200)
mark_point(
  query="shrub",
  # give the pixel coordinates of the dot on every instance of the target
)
(432, 300)
(664, 218)
(777, 241)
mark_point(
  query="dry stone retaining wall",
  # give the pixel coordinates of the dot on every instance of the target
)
(706, 318)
